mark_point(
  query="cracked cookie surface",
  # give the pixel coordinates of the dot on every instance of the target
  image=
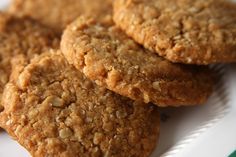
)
(58, 13)
(21, 37)
(109, 57)
(185, 31)
(53, 110)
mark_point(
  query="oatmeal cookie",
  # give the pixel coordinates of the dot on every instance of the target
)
(107, 56)
(53, 110)
(184, 31)
(58, 13)
(21, 36)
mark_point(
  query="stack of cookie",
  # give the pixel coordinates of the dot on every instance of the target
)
(86, 77)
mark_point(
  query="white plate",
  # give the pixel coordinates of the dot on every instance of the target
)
(186, 124)
(193, 131)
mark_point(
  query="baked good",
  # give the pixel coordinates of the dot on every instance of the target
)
(58, 13)
(21, 36)
(184, 31)
(109, 57)
(53, 110)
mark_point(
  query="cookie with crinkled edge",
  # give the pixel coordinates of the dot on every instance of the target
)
(21, 36)
(53, 110)
(107, 56)
(184, 31)
(58, 13)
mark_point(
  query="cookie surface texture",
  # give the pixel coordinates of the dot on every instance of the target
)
(58, 13)
(21, 36)
(53, 110)
(107, 56)
(184, 31)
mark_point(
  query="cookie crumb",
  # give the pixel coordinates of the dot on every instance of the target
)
(98, 137)
(65, 133)
(121, 114)
(156, 85)
(54, 101)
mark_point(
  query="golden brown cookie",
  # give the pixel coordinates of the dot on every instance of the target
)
(21, 36)
(106, 55)
(58, 13)
(185, 31)
(53, 110)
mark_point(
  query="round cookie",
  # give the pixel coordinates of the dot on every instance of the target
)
(184, 31)
(53, 110)
(106, 55)
(58, 13)
(21, 36)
